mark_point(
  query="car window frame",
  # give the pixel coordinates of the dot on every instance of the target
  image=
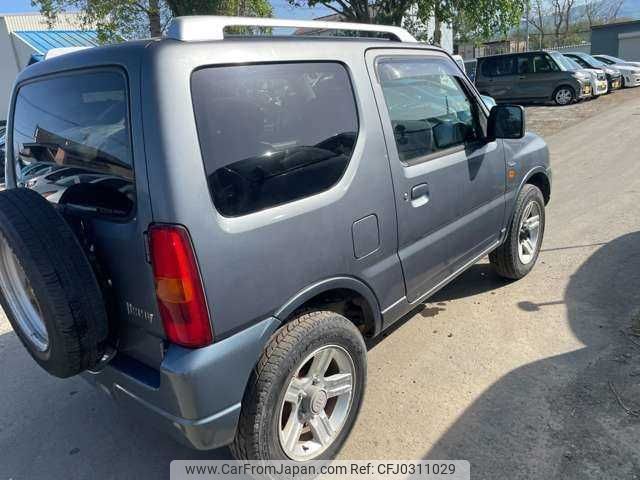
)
(74, 72)
(479, 110)
(359, 134)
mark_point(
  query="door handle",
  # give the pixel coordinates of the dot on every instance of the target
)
(419, 195)
(523, 77)
(421, 190)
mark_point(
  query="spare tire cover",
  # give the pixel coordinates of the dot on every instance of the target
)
(47, 286)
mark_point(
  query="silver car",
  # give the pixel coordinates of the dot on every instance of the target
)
(630, 70)
(598, 77)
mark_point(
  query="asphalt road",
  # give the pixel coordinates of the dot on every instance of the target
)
(518, 378)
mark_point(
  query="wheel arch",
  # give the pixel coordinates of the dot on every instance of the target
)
(346, 295)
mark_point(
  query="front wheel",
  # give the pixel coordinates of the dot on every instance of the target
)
(519, 252)
(305, 393)
(564, 96)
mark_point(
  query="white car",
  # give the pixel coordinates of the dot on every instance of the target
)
(598, 76)
(630, 70)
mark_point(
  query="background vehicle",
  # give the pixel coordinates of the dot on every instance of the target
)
(599, 83)
(615, 61)
(614, 77)
(630, 70)
(532, 77)
(153, 275)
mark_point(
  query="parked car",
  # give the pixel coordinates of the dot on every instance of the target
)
(530, 77)
(277, 220)
(614, 76)
(599, 83)
(611, 60)
(630, 70)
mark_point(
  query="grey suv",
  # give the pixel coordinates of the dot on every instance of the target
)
(221, 224)
(530, 77)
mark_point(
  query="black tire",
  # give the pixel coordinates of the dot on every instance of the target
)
(569, 90)
(505, 259)
(257, 435)
(62, 284)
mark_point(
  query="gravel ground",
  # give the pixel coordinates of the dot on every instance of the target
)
(548, 120)
(526, 380)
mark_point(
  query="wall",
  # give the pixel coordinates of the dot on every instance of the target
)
(604, 39)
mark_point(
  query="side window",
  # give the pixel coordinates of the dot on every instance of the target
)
(524, 64)
(499, 66)
(428, 107)
(273, 133)
(71, 141)
(542, 64)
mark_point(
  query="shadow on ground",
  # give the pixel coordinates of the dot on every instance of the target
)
(559, 417)
(52, 428)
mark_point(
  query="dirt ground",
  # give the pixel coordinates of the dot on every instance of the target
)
(535, 379)
(547, 120)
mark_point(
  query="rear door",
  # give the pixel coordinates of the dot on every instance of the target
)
(449, 182)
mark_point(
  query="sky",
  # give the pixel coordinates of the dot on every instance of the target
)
(281, 9)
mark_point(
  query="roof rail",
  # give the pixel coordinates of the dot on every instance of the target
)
(208, 27)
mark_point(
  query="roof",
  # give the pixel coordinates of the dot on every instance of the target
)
(616, 24)
(43, 41)
(36, 21)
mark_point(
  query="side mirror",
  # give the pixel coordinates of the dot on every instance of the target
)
(506, 121)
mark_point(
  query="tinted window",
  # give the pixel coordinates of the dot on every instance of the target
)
(275, 133)
(428, 107)
(524, 64)
(72, 132)
(543, 64)
(498, 66)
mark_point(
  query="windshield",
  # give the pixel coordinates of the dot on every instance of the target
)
(565, 64)
(594, 62)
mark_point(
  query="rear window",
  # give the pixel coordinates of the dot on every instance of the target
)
(71, 140)
(273, 133)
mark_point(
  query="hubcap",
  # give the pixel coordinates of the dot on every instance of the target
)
(529, 233)
(316, 403)
(564, 96)
(21, 298)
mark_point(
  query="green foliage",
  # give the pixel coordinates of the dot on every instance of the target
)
(471, 18)
(117, 19)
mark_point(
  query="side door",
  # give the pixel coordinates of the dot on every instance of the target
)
(449, 182)
(499, 77)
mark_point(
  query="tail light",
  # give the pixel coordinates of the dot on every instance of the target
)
(181, 299)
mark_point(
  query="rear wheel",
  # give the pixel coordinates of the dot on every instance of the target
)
(306, 391)
(564, 95)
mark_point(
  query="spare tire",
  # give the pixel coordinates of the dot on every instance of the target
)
(47, 286)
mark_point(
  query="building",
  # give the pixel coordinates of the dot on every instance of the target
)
(617, 39)
(25, 38)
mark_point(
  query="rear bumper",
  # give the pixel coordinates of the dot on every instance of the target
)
(196, 396)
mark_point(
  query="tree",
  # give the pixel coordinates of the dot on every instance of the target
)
(597, 12)
(481, 16)
(537, 19)
(114, 19)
